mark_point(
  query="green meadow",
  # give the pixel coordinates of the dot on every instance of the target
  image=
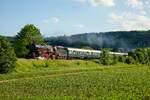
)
(75, 80)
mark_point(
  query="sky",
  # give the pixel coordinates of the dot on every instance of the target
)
(66, 17)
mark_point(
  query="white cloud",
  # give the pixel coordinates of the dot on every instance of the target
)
(147, 4)
(80, 1)
(96, 3)
(135, 3)
(55, 19)
(79, 26)
(113, 16)
(129, 21)
(45, 21)
(108, 3)
(139, 5)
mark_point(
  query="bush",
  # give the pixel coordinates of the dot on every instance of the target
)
(141, 56)
(7, 56)
(115, 59)
(46, 65)
(78, 63)
(121, 59)
(105, 57)
(130, 60)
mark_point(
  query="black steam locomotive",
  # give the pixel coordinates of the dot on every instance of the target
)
(60, 52)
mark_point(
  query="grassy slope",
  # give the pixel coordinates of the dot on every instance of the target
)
(75, 80)
(35, 68)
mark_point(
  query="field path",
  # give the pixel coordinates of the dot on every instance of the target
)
(51, 75)
(63, 73)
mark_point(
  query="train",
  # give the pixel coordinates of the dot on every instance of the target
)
(60, 52)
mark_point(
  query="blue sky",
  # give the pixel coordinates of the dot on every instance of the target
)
(59, 17)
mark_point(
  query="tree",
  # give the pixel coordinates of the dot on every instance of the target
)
(7, 56)
(105, 57)
(29, 34)
(115, 59)
(141, 56)
(121, 59)
(130, 60)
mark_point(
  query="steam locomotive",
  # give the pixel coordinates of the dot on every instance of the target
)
(60, 52)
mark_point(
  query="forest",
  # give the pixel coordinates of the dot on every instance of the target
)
(115, 40)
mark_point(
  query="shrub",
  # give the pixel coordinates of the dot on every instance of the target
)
(7, 56)
(78, 63)
(130, 60)
(46, 65)
(115, 59)
(141, 56)
(105, 57)
(121, 59)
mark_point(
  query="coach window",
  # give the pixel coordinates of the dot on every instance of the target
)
(73, 52)
(79, 52)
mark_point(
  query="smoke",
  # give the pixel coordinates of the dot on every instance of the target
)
(101, 40)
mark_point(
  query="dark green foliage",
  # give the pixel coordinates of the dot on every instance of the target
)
(115, 59)
(122, 40)
(105, 57)
(130, 60)
(39, 65)
(78, 63)
(148, 58)
(131, 39)
(28, 35)
(141, 56)
(7, 56)
(121, 59)
(46, 65)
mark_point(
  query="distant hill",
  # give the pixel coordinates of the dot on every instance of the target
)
(120, 39)
(11, 39)
(115, 40)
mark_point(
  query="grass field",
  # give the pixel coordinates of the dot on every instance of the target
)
(75, 80)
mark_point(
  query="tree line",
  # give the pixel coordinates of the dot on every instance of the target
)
(30, 34)
(138, 56)
(115, 40)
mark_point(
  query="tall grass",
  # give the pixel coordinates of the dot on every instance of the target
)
(75, 80)
(108, 84)
(33, 68)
